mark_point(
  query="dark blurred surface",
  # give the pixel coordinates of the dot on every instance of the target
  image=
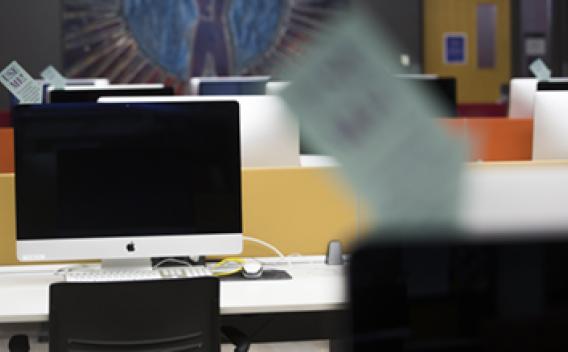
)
(452, 294)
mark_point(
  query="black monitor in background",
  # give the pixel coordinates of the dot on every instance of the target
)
(444, 89)
(457, 295)
(69, 82)
(233, 86)
(91, 95)
(553, 85)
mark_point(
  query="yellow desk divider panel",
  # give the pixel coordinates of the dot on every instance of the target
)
(7, 220)
(298, 210)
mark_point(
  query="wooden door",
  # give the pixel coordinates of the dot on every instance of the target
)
(476, 84)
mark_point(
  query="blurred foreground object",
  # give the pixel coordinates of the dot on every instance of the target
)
(379, 128)
(454, 292)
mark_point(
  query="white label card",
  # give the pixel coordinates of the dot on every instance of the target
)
(382, 130)
(540, 70)
(21, 84)
(53, 77)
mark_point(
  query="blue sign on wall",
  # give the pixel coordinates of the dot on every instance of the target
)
(455, 48)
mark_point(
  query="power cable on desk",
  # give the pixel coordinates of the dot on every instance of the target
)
(229, 263)
(269, 246)
(170, 260)
(218, 271)
(232, 270)
(68, 269)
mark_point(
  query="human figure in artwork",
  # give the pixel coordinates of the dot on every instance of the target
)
(210, 41)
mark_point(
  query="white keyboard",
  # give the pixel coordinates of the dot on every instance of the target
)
(137, 275)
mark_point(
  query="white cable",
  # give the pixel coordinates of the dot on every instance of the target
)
(170, 260)
(267, 245)
(67, 269)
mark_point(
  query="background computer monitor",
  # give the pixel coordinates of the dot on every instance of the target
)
(276, 87)
(306, 149)
(235, 85)
(86, 94)
(269, 131)
(521, 97)
(46, 87)
(74, 82)
(522, 94)
(550, 132)
(82, 82)
(124, 181)
(442, 89)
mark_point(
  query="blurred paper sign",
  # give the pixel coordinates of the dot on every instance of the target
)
(535, 46)
(380, 128)
(540, 70)
(455, 48)
(53, 77)
(21, 84)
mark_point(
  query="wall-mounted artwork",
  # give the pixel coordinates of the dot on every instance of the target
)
(172, 40)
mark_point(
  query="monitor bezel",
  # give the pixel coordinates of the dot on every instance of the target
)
(125, 247)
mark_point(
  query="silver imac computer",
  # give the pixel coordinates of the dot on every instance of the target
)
(127, 181)
(270, 135)
(521, 97)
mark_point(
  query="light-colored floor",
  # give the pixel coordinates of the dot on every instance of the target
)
(317, 346)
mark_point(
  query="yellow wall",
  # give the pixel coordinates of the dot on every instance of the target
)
(298, 210)
(474, 85)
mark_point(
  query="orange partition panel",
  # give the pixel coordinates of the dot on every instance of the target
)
(493, 139)
(6, 150)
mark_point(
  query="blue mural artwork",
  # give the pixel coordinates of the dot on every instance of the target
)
(161, 30)
(173, 40)
(254, 34)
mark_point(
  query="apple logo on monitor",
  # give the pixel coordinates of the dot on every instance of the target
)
(131, 247)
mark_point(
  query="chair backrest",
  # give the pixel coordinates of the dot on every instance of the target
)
(159, 315)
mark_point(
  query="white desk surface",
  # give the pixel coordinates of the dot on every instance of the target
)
(315, 286)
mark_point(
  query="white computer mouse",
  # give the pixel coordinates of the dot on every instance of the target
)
(252, 269)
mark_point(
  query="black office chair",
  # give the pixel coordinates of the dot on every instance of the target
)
(159, 315)
(19, 343)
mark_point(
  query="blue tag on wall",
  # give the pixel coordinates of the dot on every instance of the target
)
(455, 48)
